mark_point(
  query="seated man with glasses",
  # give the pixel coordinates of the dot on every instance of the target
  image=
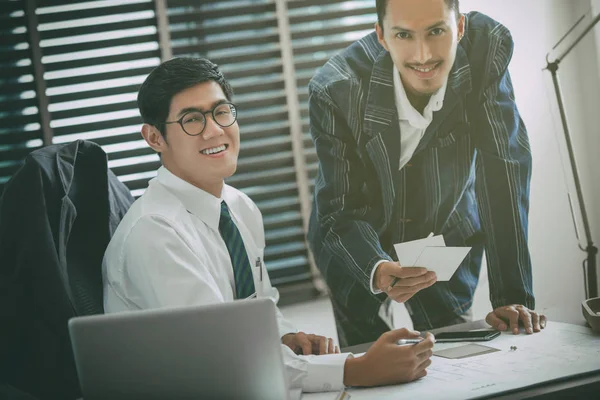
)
(190, 239)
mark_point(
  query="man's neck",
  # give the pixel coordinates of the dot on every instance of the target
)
(214, 187)
(419, 102)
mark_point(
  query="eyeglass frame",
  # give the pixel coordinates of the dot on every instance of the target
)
(212, 112)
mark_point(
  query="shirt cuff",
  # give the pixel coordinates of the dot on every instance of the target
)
(326, 373)
(321, 373)
(375, 289)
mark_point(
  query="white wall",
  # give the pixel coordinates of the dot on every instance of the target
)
(536, 26)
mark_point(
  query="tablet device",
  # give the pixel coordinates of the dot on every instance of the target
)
(467, 336)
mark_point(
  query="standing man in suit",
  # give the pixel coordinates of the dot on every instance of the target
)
(417, 131)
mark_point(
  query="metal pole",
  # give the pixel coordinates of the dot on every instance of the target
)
(162, 25)
(592, 283)
(585, 32)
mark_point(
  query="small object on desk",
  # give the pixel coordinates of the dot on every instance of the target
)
(513, 348)
(343, 395)
(481, 335)
(591, 312)
(468, 350)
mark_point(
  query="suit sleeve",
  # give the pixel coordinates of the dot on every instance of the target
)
(503, 174)
(345, 217)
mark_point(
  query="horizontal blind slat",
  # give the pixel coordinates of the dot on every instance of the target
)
(84, 30)
(50, 17)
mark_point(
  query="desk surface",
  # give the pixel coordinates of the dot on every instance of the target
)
(559, 357)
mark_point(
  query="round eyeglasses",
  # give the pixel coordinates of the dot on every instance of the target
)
(194, 122)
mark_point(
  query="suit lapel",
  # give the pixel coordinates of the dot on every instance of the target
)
(381, 126)
(381, 114)
(380, 108)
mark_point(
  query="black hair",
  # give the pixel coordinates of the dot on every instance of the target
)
(168, 79)
(381, 6)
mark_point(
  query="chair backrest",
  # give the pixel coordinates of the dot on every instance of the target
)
(56, 219)
(89, 236)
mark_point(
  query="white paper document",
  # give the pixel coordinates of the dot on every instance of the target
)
(557, 352)
(432, 254)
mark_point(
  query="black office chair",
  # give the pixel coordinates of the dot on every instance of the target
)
(57, 215)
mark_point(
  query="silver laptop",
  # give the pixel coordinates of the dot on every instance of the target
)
(223, 351)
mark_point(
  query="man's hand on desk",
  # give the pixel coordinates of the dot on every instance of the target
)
(508, 317)
(305, 344)
(387, 363)
(411, 280)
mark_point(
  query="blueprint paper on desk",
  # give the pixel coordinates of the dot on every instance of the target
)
(432, 254)
(558, 351)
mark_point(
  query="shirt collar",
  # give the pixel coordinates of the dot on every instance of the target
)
(196, 201)
(407, 112)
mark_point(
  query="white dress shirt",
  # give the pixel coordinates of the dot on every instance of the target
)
(167, 251)
(413, 125)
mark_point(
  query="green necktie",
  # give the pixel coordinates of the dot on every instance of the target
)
(242, 270)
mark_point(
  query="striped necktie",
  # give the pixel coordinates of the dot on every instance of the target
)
(242, 271)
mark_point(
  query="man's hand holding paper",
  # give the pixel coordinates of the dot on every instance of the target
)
(421, 263)
(410, 280)
(432, 254)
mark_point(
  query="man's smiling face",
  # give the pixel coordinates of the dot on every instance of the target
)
(206, 159)
(422, 37)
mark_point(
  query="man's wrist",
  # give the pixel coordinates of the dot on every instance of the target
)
(374, 288)
(353, 372)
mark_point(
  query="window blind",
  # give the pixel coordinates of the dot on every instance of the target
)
(319, 30)
(242, 37)
(20, 129)
(95, 54)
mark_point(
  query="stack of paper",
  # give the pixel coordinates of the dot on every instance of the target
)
(433, 254)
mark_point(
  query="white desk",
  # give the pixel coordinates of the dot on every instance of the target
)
(559, 351)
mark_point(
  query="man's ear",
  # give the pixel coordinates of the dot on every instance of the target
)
(380, 37)
(154, 138)
(461, 26)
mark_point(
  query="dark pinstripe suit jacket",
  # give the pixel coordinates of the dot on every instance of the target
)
(468, 178)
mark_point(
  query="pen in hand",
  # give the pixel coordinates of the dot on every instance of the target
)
(394, 281)
(408, 341)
